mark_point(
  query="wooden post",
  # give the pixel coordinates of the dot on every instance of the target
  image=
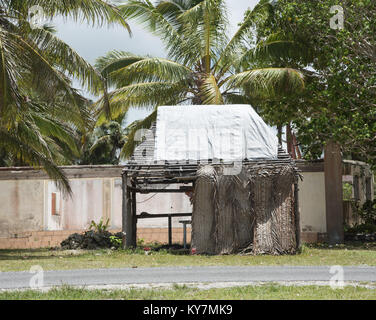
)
(297, 214)
(124, 208)
(127, 216)
(169, 230)
(334, 193)
(134, 217)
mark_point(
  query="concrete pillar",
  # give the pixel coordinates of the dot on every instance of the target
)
(334, 193)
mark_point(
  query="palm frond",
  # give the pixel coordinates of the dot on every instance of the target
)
(16, 144)
(52, 128)
(94, 12)
(279, 47)
(67, 59)
(204, 28)
(100, 142)
(268, 81)
(148, 15)
(242, 37)
(142, 95)
(115, 60)
(211, 94)
(150, 70)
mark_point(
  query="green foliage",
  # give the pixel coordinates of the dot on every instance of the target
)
(365, 228)
(116, 242)
(140, 242)
(339, 65)
(204, 66)
(367, 212)
(39, 108)
(100, 227)
(347, 191)
(102, 146)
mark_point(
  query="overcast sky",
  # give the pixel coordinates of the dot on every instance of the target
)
(92, 43)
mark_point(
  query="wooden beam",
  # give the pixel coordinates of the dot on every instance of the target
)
(334, 193)
(145, 191)
(145, 215)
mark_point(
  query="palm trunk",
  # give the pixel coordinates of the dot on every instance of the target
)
(279, 128)
(290, 143)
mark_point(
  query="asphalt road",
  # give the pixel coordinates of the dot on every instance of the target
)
(129, 276)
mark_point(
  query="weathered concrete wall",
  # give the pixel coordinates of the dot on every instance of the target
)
(312, 202)
(88, 203)
(48, 239)
(162, 203)
(21, 206)
(26, 204)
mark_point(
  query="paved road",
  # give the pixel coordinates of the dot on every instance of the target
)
(17, 280)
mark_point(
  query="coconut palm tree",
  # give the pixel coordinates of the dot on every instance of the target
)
(39, 108)
(278, 47)
(103, 144)
(203, 65)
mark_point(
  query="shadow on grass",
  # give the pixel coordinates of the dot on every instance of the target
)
(34, 254)
(348, 245)
(174, 249)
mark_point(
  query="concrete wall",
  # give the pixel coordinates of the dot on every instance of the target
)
(21, 206)
(92, 200)
(27, 219)
(312, 202)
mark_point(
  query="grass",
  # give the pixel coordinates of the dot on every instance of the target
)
(263, 292)
(318, 255)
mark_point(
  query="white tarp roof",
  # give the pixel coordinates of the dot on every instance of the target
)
(213, 132)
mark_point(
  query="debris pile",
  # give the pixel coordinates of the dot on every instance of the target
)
(363, 237)
(90, 240)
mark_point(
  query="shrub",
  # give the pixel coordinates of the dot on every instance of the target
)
(367, 212)
(99, 227)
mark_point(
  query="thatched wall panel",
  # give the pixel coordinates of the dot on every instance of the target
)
(254, 209)
(234, 214)
(203, 219)
(263, 232)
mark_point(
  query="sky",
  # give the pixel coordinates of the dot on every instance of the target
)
(92, 43)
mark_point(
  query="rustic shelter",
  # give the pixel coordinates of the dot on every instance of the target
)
(244, 191)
